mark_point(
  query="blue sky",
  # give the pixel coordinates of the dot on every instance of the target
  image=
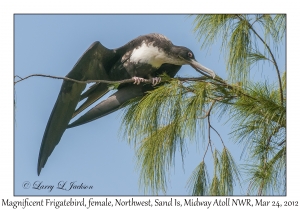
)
(95, 154)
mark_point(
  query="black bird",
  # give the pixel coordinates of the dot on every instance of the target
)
(145, 57)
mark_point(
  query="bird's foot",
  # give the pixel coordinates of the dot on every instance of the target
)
(155, 80)
(138, 80)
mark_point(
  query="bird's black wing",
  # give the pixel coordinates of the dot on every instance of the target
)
(92, 95)
(91, 65)
(111, 104)
(121, 97)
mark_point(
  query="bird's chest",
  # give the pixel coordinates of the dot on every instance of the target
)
(142, 61)
(147, 54)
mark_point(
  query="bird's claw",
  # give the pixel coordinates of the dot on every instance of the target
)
(156, 80)
(138, 80)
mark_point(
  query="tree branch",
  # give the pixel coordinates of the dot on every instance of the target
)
(209, 125)
(209, 110)
(147, 81)
(78, 81)
(102, 81)
(218, 135)
(273, 58)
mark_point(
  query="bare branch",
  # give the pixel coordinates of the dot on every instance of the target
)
(147, 81)
(207, 144)
(102, 81)
(208, 118)
(218, 134)
(83, 82)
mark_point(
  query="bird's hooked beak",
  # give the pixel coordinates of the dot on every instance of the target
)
(201, 69)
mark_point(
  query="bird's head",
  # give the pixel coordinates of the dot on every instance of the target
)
(182, 56)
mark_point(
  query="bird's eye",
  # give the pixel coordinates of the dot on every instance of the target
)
(190, 54)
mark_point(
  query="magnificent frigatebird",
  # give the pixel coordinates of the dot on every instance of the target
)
(145, 57)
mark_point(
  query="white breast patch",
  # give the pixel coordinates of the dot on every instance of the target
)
(150, 55)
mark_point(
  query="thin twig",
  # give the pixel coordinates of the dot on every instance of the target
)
(257, 19)
(103, 81)
(232, 87)
(281, 143)
(82, 82)
(18, 77)
(209, 139)
(218, 135)
(209, 110)
(272, 134)
(206, 148)
(208, 120)
(192, 78)
(273, 58)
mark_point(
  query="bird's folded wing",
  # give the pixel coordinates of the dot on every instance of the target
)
(89, 66)
(97, 92)
(121, 97)
(111, 104)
